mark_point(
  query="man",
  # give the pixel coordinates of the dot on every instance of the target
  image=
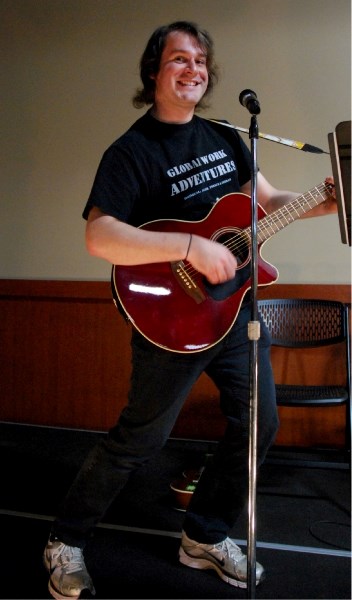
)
(172, 164)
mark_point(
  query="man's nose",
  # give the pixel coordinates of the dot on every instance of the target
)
(192, 65)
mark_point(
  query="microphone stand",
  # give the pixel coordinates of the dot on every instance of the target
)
(253, 335)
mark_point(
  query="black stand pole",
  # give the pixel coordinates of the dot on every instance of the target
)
(253, 334)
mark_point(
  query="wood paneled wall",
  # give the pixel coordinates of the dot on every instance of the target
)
(65, 362)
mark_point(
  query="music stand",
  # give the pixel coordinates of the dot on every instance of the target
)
(340, 154)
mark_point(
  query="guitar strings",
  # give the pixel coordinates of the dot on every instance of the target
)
(272, 223)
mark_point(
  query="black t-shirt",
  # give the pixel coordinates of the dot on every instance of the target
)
(165, 171)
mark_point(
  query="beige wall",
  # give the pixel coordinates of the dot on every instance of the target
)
(69, 68)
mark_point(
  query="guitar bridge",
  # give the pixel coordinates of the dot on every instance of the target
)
(186, 282)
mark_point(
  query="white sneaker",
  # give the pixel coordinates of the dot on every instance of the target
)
(68, 572)
(226, 558)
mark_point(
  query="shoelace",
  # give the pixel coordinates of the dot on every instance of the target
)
(232, 550)
(71, 558)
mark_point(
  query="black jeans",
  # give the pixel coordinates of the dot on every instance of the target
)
(160, 383)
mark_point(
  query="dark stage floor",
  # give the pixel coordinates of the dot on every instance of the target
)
(302, 525)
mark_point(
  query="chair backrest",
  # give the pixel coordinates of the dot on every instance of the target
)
(312, 361)
(301, 323)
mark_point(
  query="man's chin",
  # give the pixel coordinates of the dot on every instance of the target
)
(191, 98)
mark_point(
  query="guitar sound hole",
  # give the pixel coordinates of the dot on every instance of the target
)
(238, 243)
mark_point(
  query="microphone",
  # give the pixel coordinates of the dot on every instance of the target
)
(249, 100)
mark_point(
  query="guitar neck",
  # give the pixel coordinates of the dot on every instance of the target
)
(279, 219)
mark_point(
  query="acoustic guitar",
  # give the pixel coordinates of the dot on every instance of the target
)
(173, 305)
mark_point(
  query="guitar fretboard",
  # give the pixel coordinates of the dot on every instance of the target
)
(279, 219)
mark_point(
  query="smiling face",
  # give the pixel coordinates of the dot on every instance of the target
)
(182, 78)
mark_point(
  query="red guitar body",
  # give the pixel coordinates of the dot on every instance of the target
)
(171, 304)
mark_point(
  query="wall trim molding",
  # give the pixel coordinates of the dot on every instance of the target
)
(65, 362)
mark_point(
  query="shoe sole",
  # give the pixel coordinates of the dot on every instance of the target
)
(53, 591)
(55, 594)
(203, 563)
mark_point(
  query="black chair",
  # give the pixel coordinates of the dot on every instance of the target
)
(304, 323)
